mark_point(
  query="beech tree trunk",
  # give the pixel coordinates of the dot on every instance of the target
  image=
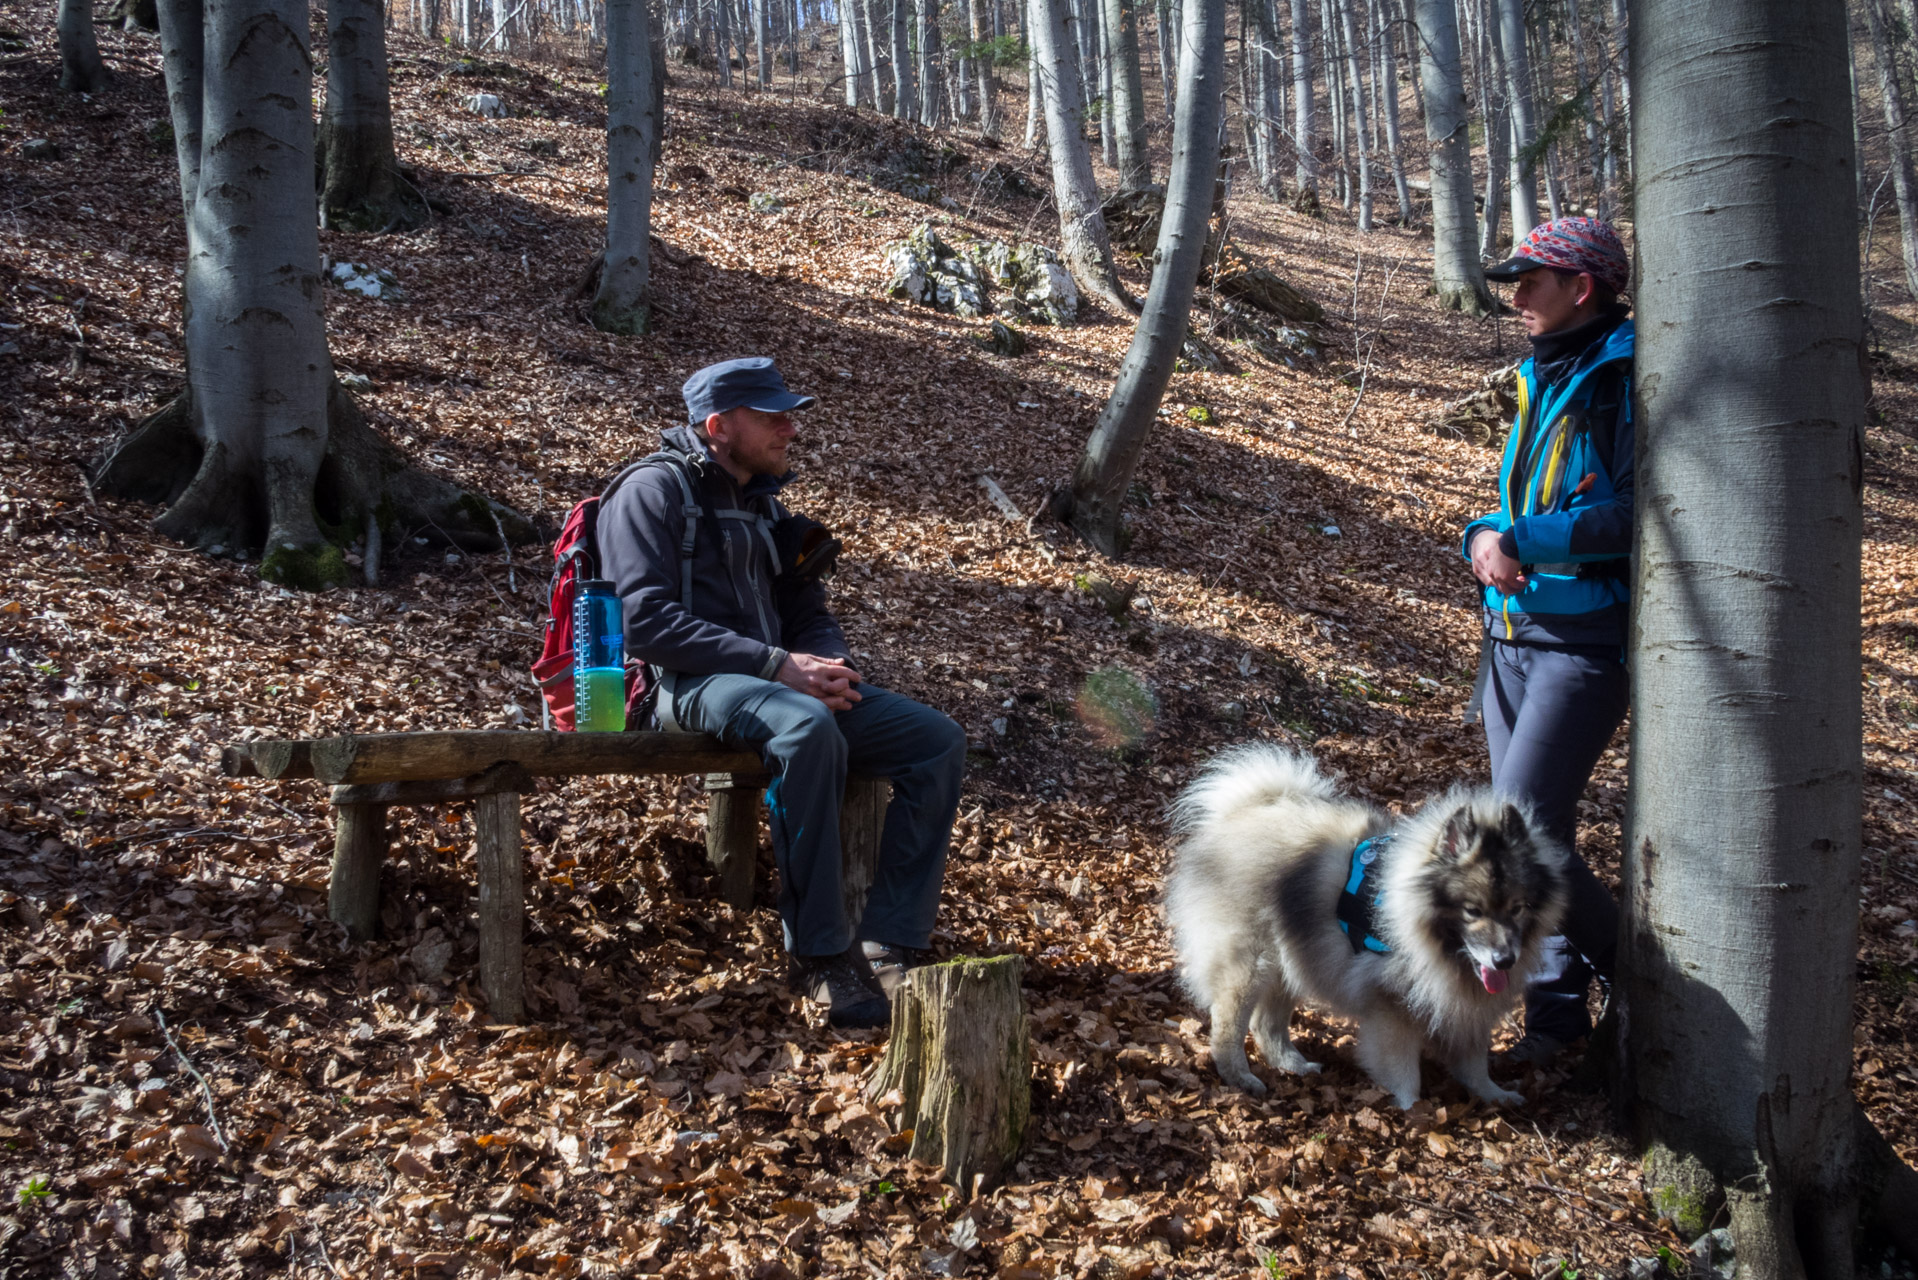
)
(1622, 38)
(81, 70)
(1034, 90)
(1333, 64)
(981, 29)
(264, 443)
(1162, 12)
(1497, 122)
(1304, 109)
(762, 43)
(1741, 871)
(1084, 246)
(849, 53)
(1093, 13)
(960, 1057)
(1595, 158)
(361, 187)
(1904, 186)
(1082, 17)
(1384, 28)
(905, 97)
(619, 305)
(1456, 273)
(1112, 454)
(1355, 86)
(871, 32)
(1510, 25)
(931, 63)
(1126, 113)
(1264, 102)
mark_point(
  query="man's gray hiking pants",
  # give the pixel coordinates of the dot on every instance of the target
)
(809, 749)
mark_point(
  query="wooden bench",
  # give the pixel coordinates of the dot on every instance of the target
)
(492, 768)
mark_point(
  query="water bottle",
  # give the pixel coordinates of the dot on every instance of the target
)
(599, 659)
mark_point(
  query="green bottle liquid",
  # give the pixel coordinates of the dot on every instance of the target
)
(599, 700)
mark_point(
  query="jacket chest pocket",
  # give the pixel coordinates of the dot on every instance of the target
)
(1562, 462)
(730, 548)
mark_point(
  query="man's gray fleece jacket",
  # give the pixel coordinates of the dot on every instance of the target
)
(745, 618)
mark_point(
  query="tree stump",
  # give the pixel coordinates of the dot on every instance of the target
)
(961, 1060)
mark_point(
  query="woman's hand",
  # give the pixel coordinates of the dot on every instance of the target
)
(1493, 567)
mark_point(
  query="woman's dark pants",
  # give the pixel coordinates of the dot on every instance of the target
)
(1549, 714)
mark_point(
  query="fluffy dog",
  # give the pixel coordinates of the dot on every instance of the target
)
(1455, 904)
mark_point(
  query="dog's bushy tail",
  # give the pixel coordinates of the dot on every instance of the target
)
(1247, 778)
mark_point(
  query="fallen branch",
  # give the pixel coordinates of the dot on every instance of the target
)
(206, 1090)
(1007, 507)
(506, 549)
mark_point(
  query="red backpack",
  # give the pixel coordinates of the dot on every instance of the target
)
(575, 559)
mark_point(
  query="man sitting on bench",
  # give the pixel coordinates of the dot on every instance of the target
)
(721, 603)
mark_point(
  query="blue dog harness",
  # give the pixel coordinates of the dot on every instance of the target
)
(1359, 901)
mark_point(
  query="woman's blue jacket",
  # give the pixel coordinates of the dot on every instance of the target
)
(1565, 500)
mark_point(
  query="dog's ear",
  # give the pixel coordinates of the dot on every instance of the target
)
(1512, 825)
(1456, 842)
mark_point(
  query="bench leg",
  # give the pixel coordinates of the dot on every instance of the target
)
(502, 905)
(353, 888)
(862, 818)
(732, 834)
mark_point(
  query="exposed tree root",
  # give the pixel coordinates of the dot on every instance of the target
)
(1781, 1228)
(215, 502)
(1888, 1189)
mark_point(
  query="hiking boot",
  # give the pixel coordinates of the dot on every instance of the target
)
(1597, 1070)
(889, 963)
(1534, 1049)
(845, 985)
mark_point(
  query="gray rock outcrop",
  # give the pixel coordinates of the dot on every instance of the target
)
(961, 279)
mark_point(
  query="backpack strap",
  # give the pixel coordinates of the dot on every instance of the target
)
(691, 509)
(661, 680)
(587, 549)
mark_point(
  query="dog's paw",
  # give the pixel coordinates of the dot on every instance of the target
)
(1247, 1083)
(1501, 1097)
(1288, 1059)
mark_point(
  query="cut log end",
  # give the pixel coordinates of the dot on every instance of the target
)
(961, 1060)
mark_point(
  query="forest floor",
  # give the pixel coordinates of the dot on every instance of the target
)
(200, 1074)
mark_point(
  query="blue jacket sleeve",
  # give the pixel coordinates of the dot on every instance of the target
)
(639, 539)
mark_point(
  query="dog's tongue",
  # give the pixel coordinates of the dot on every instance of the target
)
(1494, 979)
